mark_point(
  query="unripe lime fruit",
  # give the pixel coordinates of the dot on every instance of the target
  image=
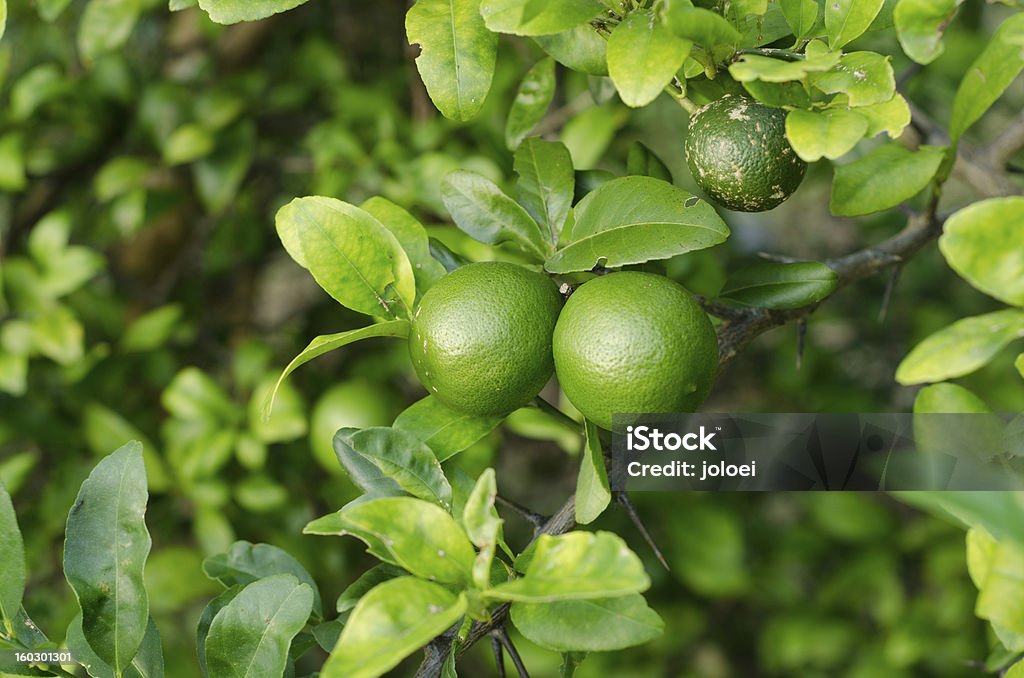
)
(634, 342)
(739, 155)
(481, 337)
(354, 404)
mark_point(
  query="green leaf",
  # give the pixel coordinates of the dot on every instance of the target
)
(49, 10)
(533, 98)
(595, 625)
(12, 163)
(961, 348)
(147, 663)
(768, 69)
(234, 11)
(890, 116)
(1001, 594)
(194, 396)
(592, 491)
(588, 135)
(984, 243)
(219, 175)
(483, 526)
(987, 78)
(780, 286)
(401, 456)
(537, 17)
(105, 551)
(920, 25)
(642, 161)
(643, 57)
(829, 134)
(865, 78)
(206, 619)
(998, 513)
(576, 565)
(366, 475)
(3, 17)
(413, 534)
(846, 20)
(286, 421)
(412, 236)
(246, 562)
(801, 15)
(579, 48)
(884, 178)
(1019, 364)
(546, 183)
(350, 254)
(778, 94)
(106, 26)
(12, 562)
(457, 54)
(366, 581)
(633, 219)
(328, 342)
(444, 430)
(152, 329)
(483, 211)
(391, 622)
(698, 25)
(188, 143)
(250, 636)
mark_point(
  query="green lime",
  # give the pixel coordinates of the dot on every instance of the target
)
(634, 342)
(481, 337)
(739, 155)
(353, 404)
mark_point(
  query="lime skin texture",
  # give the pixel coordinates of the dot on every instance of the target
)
(632, 342)
(481, 337)
(739, 155)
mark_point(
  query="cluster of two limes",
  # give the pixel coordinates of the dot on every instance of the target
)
(488, 336)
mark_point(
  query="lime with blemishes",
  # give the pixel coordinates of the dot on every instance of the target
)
(739, 155)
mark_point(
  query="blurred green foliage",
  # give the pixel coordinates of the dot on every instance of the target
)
(144, 295)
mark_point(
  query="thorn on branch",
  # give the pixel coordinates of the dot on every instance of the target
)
(779, 258)
(499, 655)
(623, 500)
(499, 635)
(537, 520)
(894, 278)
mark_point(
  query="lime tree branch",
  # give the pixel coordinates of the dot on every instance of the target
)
(740, 327)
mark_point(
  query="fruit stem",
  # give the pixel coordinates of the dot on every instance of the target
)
(677, 90)
(558, 415)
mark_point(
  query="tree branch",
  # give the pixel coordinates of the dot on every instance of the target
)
(734, 334)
